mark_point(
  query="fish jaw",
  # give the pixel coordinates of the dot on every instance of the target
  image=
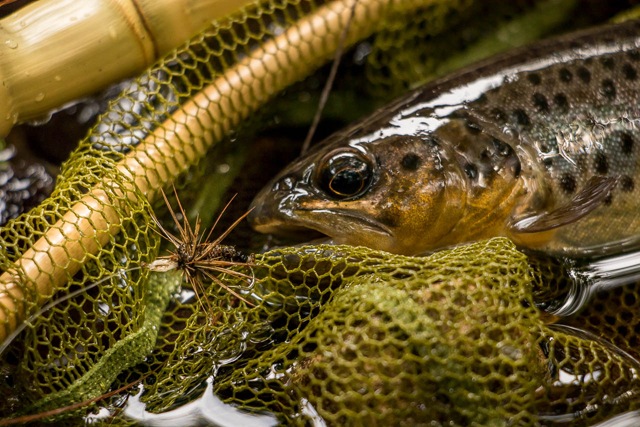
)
(293, 212)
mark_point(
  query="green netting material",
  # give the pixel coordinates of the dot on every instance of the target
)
(124, 354)
(401, 339)
(346, 334)
(451, 338)
(361, 337)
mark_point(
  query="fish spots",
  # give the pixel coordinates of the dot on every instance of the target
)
(410, 162)
(626, 142)
(561, 101)
(499, 115)
(600, 163)
(540, 102)
(629, 72)
(534, 78)
(626, 184)
(607, 62)
(522, 118)
(471, 171)
(565, 75)
(584, 75)
(608, 88)
(568, 183)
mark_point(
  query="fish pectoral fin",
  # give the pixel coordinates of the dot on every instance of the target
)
(586, 200)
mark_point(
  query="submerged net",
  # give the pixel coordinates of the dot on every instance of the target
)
(338, 334)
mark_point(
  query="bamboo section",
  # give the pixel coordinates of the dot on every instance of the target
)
(55, 51)
(179, 142)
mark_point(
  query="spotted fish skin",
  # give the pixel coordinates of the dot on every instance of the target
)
(541, 145)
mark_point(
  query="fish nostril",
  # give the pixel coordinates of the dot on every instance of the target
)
(285, 183)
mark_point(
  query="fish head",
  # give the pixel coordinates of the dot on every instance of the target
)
(398, 193)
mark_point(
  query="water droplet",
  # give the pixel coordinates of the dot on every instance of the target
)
(57, 78)
(11, 44)
(223, 168)
(40, 120)
(39, 97)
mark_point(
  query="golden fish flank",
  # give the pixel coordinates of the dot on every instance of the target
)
(540, 145)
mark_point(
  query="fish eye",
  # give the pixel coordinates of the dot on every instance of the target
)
(345, 175)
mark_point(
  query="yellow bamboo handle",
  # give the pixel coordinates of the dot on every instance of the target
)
(178, 143)
(55, 51)
(171, 22)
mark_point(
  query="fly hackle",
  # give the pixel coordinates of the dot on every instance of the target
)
(201, 257)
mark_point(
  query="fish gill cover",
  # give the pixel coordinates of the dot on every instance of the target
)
(331, 334)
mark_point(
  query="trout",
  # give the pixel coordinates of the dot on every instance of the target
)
(540, 145)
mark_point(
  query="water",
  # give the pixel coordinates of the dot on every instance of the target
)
(207, 410)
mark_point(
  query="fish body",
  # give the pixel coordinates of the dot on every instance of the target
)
(541, 145)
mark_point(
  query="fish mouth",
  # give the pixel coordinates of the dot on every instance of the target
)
(338, 223)
(353, 220)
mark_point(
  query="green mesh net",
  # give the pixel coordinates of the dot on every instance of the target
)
(321, 334)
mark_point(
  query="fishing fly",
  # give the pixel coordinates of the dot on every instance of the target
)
(199, 257)
(195, 256)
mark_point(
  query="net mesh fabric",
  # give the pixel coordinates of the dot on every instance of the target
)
(347, 334)
(355, 336)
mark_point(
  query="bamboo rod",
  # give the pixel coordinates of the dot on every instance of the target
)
(178, 143)
(55, 51)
